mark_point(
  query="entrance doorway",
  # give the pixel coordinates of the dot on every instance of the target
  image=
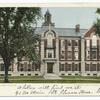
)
(50, 67)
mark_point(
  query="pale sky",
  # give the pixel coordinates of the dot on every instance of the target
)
(69, 17)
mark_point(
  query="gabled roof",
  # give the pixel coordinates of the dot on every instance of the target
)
(61, 31)
(90, 31)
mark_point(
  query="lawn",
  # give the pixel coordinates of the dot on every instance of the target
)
(40, 79)
(80, 77)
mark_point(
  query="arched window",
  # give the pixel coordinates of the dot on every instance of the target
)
(49, 39)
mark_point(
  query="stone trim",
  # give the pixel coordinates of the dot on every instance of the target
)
(98, 49)
(66, 50)
(45, 45)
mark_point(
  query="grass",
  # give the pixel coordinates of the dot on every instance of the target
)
(55, 81)
(40, 79)
(80, 77)
(21, 79)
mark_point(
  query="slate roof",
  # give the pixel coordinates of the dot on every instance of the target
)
(61, 31)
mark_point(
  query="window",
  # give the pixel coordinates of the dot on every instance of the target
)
(21, 67)
(69, 74)
(29, 74)
(29, 67)
(62, 43)
(62, 67)
(76, 74)
(25, 66)
(94, 41)
(62, 54)
(98, 67)
(88, 43)
(94, 74)
(76, 55)
(36, 74)
(37, 67)
(88, 55)
(88, 74)
(32, 67)
(68, 67)
(87, 67)
(94, 54)
(69, 55)
(62, 74)
(21, 74)
(76, 67)
(88, 52)
(93, 67)
(69, 42)
(76, 43)
(49, 55)
(49, 39)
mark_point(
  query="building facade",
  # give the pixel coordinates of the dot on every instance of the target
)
(63, 51)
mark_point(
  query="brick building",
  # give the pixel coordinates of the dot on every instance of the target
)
(63, 51)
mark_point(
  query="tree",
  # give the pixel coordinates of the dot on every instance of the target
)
(17, 37)
(97, 24)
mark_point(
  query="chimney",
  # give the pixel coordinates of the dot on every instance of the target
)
(77, 28)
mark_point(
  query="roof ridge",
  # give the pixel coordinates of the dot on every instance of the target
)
(70, 28)
(65, 28)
